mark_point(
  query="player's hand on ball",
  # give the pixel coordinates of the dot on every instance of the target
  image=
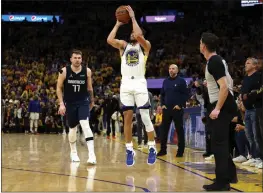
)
(119, 23)
(131, 12)
(62, 109)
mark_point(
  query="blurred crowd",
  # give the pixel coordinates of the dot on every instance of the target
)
(33, 53)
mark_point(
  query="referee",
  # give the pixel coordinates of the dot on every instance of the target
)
(221, 111)
(174, 94)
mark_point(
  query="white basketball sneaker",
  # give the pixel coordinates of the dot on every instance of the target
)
(92, 159)
(210, 158)
(240, 159)
(260, 165)
(74, 157)
(250, 161)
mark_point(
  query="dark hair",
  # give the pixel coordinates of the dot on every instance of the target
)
(143, 31)
(210, 40)
(75, 51)
(35, 97)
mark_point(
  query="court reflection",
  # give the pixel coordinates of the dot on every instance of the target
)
(90, 178)
(72, 179)
(130, 183)
(33, 148)
(150, 183)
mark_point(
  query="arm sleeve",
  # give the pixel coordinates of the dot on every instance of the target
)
(216, 68)
(162, 94)
(29, 106)
(39, 107)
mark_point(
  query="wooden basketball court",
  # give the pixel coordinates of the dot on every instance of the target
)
(42, 163)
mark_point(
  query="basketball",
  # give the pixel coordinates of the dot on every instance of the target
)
(122, 14)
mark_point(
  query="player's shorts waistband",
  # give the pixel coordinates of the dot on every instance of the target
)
(132, 77)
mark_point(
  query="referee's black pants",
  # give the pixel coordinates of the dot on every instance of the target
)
(170, 115)
(220, 137)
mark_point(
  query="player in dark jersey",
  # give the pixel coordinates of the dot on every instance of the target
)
(77, 102)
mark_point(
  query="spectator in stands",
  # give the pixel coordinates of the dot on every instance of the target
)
(158, 122)
(94, 118)
(34, 109)
(112, 105)
(251, 82)
(243, 146)
(49, 122)
(257, 95)
(58, 124)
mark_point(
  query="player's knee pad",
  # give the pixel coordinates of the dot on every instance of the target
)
(86, 129)
(145, 115)
(72, 135)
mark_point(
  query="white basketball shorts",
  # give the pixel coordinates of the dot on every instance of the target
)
(134, 91)
(34, 116)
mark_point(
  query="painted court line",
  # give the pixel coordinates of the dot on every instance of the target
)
(180, 167)
(53, 173)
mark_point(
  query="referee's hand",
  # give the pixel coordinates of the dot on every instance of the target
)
(214, 114)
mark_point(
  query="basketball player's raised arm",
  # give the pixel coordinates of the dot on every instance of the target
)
(138, 35)
(60, 81)
(119, 44)
(90, 88)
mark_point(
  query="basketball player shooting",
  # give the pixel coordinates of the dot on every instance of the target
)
(133, 88)
(79, 100)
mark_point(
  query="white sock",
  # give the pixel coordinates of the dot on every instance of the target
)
(90, 145)
(129, 146)
(151, 144)
(73, 147)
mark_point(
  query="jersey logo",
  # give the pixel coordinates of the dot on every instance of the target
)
(132, 57)
(82, 75)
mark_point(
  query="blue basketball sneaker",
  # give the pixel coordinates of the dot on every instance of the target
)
(152, 156)
(130, 154)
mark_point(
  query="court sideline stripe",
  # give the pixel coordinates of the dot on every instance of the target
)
(181, 167)
(144, 189)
